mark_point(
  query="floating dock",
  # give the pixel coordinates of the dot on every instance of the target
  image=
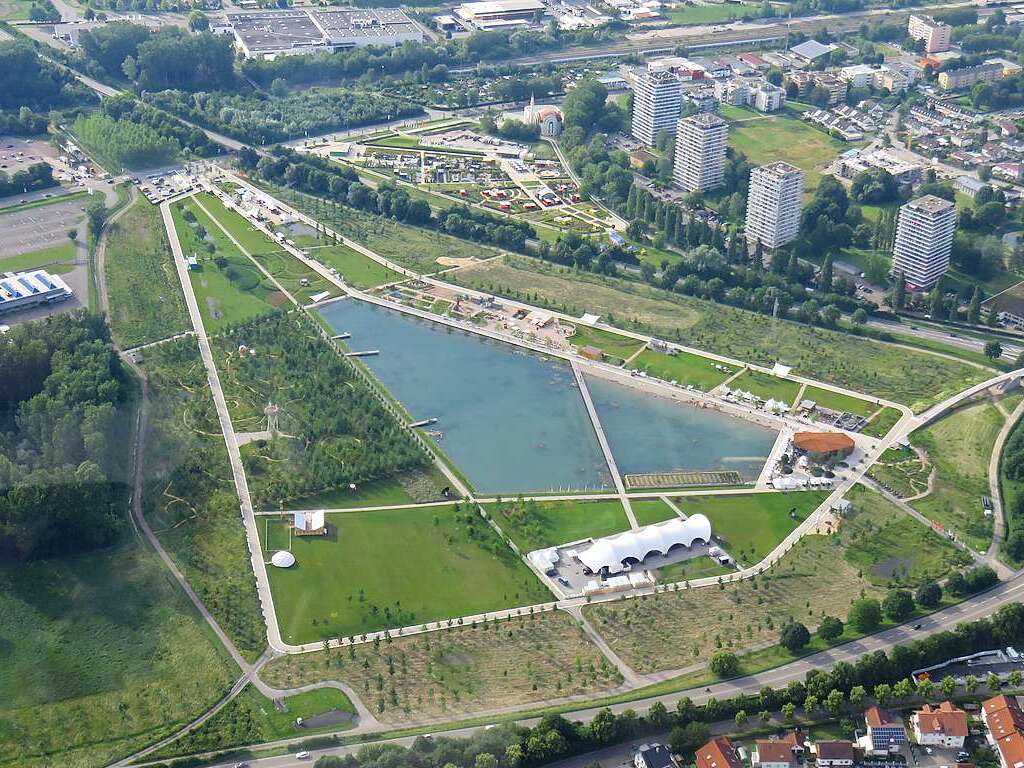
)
(423, 423)
(365, 353)
(342, 336)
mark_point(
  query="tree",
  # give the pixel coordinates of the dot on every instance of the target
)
(858, 694)
(970, 684)
(993, 350)
(883, 693)
(794, 637)
(948, 686)
(810, 703)
(830, 628)
(657, 715)
(72, 235)
(929, 595)
(1015, 678)
(825, 278)
(974, 309)
(859, 316)
(96, 213)
(899, 296)
(865, 614)
(789, 711)
(898, 605)
(724, 663)
(902, 689)
(992, 682)
(584, 104)
(834, 701)
(925, 688)
(741, 718)
(685, 739)
(198, 21)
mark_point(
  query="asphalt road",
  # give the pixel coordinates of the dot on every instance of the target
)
(982, 606)
(927, 333)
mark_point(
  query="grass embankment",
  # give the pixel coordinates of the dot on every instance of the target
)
(190, 498)
(410, 247)
(916, 378)
(460, 670)
(959, 447)
(683, 368)
(766, 386)
(146, 303)
(103, 655)
(252, 718)
(355, 268)
(376, 570)
(539, 524)
(412, 487)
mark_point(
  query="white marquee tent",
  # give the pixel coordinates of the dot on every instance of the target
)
(611, 551)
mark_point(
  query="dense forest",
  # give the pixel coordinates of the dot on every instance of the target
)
(34, 84)
(321, 177)
(123, 143)
(63, 434)
(36, 176)
(339, 431)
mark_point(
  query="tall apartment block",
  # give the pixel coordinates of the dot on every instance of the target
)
(700, 152)
(657, 102)
(935, 34)
(773, 204)
(924, 239)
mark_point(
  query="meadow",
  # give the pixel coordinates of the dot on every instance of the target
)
(538, 524)
(461, 670)
(376, 570)
(683, 367)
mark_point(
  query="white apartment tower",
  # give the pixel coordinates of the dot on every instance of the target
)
(924, 239)
(773, 204)
(936, 35)
(657, 102)
(700, 152)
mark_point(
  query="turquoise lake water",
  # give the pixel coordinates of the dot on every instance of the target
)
(654, 434)
(514, 421)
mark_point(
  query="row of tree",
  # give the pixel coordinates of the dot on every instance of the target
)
(340, 184)
(36, 176)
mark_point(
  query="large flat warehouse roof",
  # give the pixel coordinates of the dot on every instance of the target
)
(262, 32)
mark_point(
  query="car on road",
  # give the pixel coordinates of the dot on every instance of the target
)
(303, 755)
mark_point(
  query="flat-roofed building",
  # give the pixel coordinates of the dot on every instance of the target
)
(21, 290)
(924, 239)
(955, 79)
(700, 152)
(488, 13)
(935, 34)
(773, 204)
(272, 33)
(657, 102)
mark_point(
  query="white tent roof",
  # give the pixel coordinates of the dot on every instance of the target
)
(310, 520)
(610, 551)
(283, 559)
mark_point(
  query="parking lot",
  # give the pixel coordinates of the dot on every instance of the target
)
(18, 154)
(41, 227)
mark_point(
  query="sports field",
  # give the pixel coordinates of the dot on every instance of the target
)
(783, 137)
(394, 568)
(534, 525)
(749, 527)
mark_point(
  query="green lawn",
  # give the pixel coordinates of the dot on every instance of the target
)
(535, 525)
(394, 568)
(245, 233)
(409, 488)
(648, 511)
(901, 471)
(766, 386)
(138, 254)
(880, 425)
(57, 259)
(837, 401)
(749, 527)
(684, 368)
(612, 344)
(294, 277)
(102, 655)
(782, 137)
(694, 568)
(710, 14)
(959, 446)
(888, 546)
(225, 295)
(355, 268)
(252, 718)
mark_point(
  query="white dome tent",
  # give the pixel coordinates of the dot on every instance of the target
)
(612, 552)
(283, 559)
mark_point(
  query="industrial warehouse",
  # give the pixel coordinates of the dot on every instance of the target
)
(20, 290)
(268, 34)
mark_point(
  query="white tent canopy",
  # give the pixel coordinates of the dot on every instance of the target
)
(283, 559)
(611, 551)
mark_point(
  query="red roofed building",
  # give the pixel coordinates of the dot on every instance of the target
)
(942, 726)
(886, 733)
(774, 753)
(718, 753)
(822, 445)
(1005, 721)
